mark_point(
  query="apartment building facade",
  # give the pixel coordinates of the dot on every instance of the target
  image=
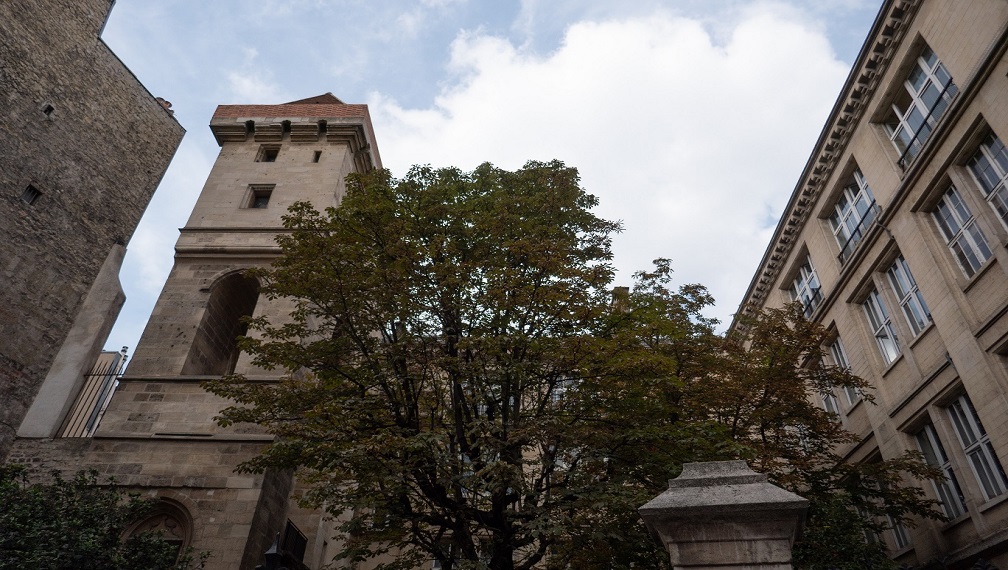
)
(894, 238)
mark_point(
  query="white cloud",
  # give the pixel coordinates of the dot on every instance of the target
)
(692, 142)
(253, 82)
(441, 3)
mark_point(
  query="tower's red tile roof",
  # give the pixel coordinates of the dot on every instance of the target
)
(320, 110)
(323, 98)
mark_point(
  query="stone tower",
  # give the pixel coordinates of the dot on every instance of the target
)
(83, 145)
(158, 433)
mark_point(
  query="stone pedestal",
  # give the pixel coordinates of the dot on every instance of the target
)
(721, 515)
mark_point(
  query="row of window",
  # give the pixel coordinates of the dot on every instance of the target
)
(855, 212)
(977, 449)
(270, 152)
(805, 288)
(922, 99)
(920, 102)
(975, 445)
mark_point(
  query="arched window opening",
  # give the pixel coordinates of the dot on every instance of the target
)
(214, 350)
(170, 520)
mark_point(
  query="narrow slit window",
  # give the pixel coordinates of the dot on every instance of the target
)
(316, 156)
(31, 194)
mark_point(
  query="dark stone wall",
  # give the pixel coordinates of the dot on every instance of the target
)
(80, 128)
(270, 516)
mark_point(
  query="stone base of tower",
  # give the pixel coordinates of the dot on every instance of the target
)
(235, 517)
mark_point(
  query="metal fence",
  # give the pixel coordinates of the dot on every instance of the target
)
(99, 385)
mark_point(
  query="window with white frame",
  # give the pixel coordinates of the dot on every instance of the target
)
(990, 168)
(901, 537)
(805, 287)
(947, 490)
(853, 214)
(977, 447)
(830, 404)
(840, 360)
(962, 235)
(881, 325)
(910, 299)
(927, 91)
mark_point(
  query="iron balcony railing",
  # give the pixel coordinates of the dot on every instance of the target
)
(936, 111)
(812, 302)
(866, 223)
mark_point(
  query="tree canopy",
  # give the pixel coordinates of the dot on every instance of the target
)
(461, 381)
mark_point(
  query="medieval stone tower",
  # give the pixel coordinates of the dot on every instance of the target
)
(83, 145)
(158, 434)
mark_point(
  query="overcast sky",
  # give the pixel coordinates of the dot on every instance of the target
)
(691, 120)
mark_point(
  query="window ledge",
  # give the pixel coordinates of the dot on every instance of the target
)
(955, 522)
(902, 551)
(980, 273)
(923, 333)
(993, 502)
(891, 365)
(852, 407)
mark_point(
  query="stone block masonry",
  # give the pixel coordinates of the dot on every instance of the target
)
(84, 145)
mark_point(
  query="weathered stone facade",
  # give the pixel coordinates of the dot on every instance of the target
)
(158, 434)
(84, 147)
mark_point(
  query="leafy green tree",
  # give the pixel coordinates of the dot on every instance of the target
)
(458, 383)
(461, 382)
(762, 396)
(76, 524)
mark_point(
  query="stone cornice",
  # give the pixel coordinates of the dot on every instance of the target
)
(349, 124)
(876, 55)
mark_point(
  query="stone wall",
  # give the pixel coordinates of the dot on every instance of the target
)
(198, 475)
(80, 130)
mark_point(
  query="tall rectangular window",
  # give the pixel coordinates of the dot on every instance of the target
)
(947, 490)
(958, 226)
(840, 360)
(924, 98)
(978, 448)
(881, 324)
(990, 168)
(910, 299)
(805, 287)
(853, 214)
